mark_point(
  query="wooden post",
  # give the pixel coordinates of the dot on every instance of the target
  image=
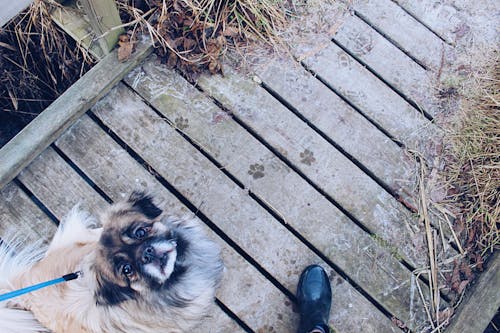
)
(103, 16)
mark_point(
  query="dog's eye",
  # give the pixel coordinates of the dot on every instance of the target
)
(127, 269)
(140, 233)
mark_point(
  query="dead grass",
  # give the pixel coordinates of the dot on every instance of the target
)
(195, 34)
(474, 173)
(38, 60)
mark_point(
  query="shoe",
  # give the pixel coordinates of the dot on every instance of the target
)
(314, 297)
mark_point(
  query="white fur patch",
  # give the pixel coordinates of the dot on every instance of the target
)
(76, 227)
(158, 273)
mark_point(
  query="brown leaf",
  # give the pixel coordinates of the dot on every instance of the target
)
(466, 270)
(172, 59)
(231, 32)
(479, 262)
(462, 286)
(214, 66)
(188, 44)
(398, 323)
(125, 48)
(445, 315)
(455, 277)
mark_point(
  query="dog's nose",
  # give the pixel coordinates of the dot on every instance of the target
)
(148, 254)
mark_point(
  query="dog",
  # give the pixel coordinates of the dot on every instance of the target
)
(140, 272)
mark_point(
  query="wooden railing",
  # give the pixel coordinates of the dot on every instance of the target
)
(103, 17)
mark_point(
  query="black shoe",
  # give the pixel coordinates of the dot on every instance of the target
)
(314, 297)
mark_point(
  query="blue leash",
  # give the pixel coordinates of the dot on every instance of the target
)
(19, 292)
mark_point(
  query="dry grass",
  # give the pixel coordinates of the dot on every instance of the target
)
(474, 174)
(38, 60)
(195, 34)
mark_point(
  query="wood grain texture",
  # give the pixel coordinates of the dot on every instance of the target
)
(45, 128)
(72, 21)
(342, 124)
(50, 176)
(235, 213)
(404, 30)
(19, 214)
(260, 171)
(481, 303)
(104, 19)
(11, 9)
(443, 18)
(372, 97)
(244, 290)
(320, 162)
(388, 61)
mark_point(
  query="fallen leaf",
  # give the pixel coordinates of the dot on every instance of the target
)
(445, 315)
(462, 286)
(126, 46)
(172, 60)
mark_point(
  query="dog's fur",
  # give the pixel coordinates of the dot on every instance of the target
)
(142, 272)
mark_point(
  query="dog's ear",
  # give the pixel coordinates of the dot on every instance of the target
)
(109, 293)
(143, 203)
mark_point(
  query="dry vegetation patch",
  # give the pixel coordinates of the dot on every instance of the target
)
(193, 35)
(474, 172)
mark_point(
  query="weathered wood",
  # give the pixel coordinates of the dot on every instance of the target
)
(11, 8)
(389, 62)
(377, 101)
(19, 214)
(105, 20)
(342, 124)
(319, 161)
(302, 207)
(49, 176)
(46, 185)
(71, 20)
(443, 18)
(404, 30)
(44, 129)
(244, 290)
(269, 243)
(482, 302)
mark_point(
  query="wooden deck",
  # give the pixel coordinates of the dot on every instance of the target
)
(299, 163)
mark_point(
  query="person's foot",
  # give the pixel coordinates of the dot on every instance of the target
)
(314, 297)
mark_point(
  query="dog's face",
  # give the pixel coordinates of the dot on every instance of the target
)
(136, 253)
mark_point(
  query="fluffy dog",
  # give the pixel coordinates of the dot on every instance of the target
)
(141, 272)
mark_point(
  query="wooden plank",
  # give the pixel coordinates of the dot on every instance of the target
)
(245, 291)
(45, 177)
(342, 124)
(104, 20)
(45, 128)
(324, 165)
(268, 242)
(49, 175)
(20, 214)
(11, 8)
(442, 17)
(389, 62)
(403, 29)
(72, 21)
(377, 101)
(481, 303)
(302, 207)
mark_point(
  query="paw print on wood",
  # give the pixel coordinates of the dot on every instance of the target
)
(307, 157)
(181, 123)
(363, 44)
(344, 59)
(256, 171)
